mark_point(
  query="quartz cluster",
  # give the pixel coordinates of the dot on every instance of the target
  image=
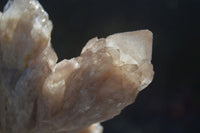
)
(39, 95)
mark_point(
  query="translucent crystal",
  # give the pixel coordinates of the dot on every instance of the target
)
(72, 96)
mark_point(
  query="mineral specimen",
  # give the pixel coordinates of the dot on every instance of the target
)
(73, 96)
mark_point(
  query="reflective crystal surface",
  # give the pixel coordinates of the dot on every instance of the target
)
(39, 95)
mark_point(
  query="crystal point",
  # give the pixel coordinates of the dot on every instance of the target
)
(72, 96)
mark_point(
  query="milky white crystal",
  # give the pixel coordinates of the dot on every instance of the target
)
(38, 95)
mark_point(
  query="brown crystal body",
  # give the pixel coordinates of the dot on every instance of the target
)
(39, 95)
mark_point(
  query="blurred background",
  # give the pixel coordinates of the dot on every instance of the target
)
(171, 103)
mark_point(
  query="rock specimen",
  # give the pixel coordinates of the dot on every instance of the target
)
(73, 96)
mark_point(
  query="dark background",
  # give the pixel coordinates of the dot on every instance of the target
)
(171, 103)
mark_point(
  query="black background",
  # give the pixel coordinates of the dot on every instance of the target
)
(171, 104)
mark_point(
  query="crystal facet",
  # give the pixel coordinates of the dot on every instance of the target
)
(72, 96)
